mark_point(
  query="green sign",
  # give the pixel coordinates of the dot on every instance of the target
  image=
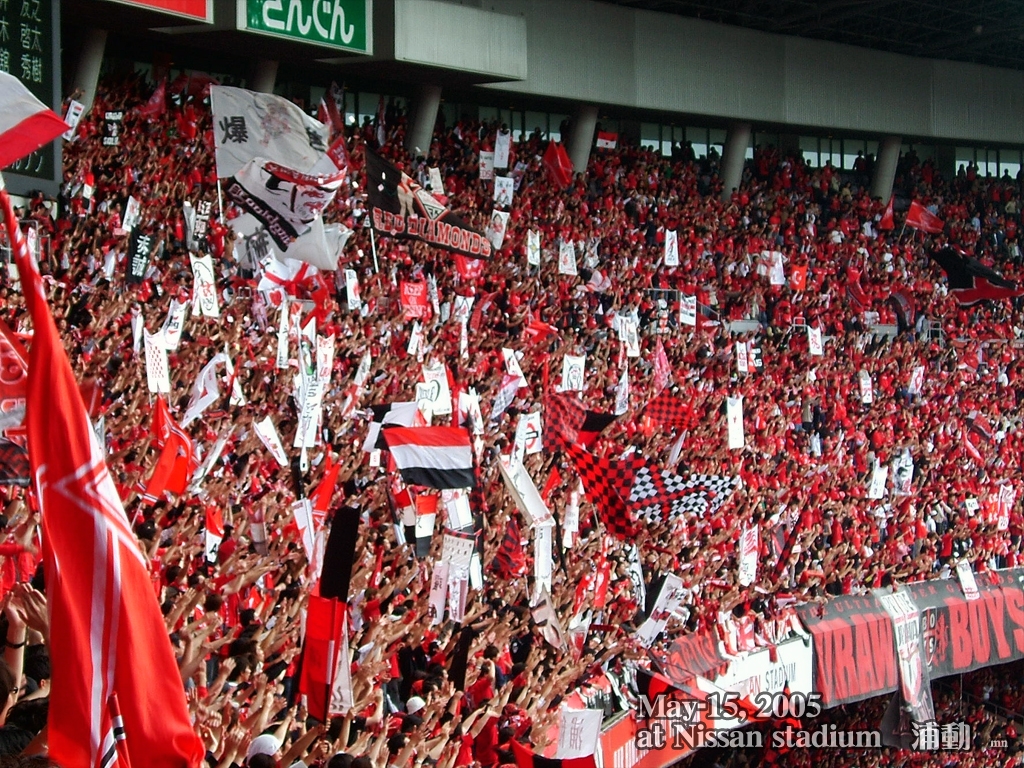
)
(26, 51)
(345, 24)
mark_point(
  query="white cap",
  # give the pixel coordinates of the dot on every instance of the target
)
(263, 745)
(414, 705)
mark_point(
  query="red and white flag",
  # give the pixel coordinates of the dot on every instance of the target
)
(919, 217)
(106, 630)
(607, 140)
(25, 122)
(437, 457)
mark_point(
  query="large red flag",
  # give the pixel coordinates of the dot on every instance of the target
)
(107, 634)
(176, 464)
(887, 221)
(559, 166)
(919, 217)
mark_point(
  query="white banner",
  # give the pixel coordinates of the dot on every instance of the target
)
(532, 432)
(748, 556)
(967, 580)
(574, 368)
(174, 324)
(496, 229)
(204, 286)
(688, 310)
(132, 211)
(456, 505)
(734, 421)
(436, 378)
(438, 593)
(158, 376)
(72, 117)
(578, 732)
(756, 672)
(415, 339)
(486, 166)
(502, 144)
(303, 512)
(512, 365)
(742, 365)
(524, 492)
(352, 296)
(458, 591)
(622, 393)
(267, 433)
(671, 248)
(777, 270)
(503, 191)
(542, 536)
(867, 393)
(436, 184)
(876, 490)
(629, 334)
(566, 258)
(916, 382)
(814, 341)
(533, 248)
(283, 332)
(457, 551)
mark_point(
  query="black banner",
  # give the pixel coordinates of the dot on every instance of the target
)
(112, 128)
(140, 249)
(854, 649)
(400, 207)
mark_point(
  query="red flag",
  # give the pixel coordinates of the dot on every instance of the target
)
(972, 450)
(325, 635)
(558, 164)
(919, 217)
(527, 759)
(887, 222)
(607, 140)
(324, 492)
(174, 468)
(798, 279)
(115, 747)
(662, 368)
(106, 630)
(157, 103)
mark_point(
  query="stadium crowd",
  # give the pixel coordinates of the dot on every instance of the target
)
(811, 444)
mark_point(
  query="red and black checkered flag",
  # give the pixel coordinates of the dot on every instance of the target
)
(566, 422)
(667, 410)
(509, 560)
(607, 483)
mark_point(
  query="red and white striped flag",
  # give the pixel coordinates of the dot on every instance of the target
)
(437, 457)
(107, 633)
(25, 122)
(607, 140)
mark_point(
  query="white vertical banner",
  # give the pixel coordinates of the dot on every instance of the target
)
(342, 698)
(622, 393)
(158, 375)
(352, 296)
(174, 325)
(533, 248)
(669, 599)
(235, 396)
(814, 341)
(204, 286)
(502, 144)
(542, 536)
(671, 248)
(574, 368)
(629, 334)
(486, 165)
(456, 506)
(415, 339)
(571, 523)
(71, 118)
(458, 591)
(566, 258)
(533, 431)
(916, 382)
(742, 363)
(512, 365)
(282, 336)
(777, 270)
(436, 184)
(496, 229)
(578, 733)
(748, 556)
(435, 376)
(876, 490)
(734, 421)
(867, 393)
(438, 592)
(688, 310)
(967, 580)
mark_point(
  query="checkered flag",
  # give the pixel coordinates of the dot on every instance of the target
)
(567, 422)
(607, 483)
(657, 496)
(667, 410)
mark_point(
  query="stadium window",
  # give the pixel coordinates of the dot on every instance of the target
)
(964, 157)
(925, 151)
(1009, 162)
(650, 135)
(366, 106)
(537, 121)
(850, 149)
(871, 148)
(487, 114)
(698, 138)
(991, 167)
(809, 148)
(716, 140)
(555, 126)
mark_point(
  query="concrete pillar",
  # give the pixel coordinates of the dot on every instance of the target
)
(420, 132)
(584, 123)
(264, 75)
(734, 155)
(885, 167)
(87, 74)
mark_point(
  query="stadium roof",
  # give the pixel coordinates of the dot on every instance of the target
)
(981, 31)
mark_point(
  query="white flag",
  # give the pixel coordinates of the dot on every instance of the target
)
(671, 248)
(267, 433)
(533, 248)
(72, 118)
(916, 382)
(174, 324)
(573, 373)
(204, 286)
(629, 334)
(436, 184)
(496, 229)
(748, 556)
(282, 336)
(438, 592)
(876, 490)
(157, 372)
(248, 125)
(542, 536)
(688, 310)
(503, 191)
(742, 364)
(777, 270)
(303, 512)
(436, 378)
(352, 290)
(532, 432)
(205, 392)
(734, 420)
(524, 492)
(566, 258)
(502, 144)
(967, 581)
(814, 341)
(867, 394)
(512, 365)
(486, 165)
(669, 598)
(622, 393)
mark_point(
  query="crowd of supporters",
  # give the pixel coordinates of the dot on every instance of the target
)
(811, 442)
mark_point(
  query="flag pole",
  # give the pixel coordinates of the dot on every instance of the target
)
(220, 201)
(373, 247)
